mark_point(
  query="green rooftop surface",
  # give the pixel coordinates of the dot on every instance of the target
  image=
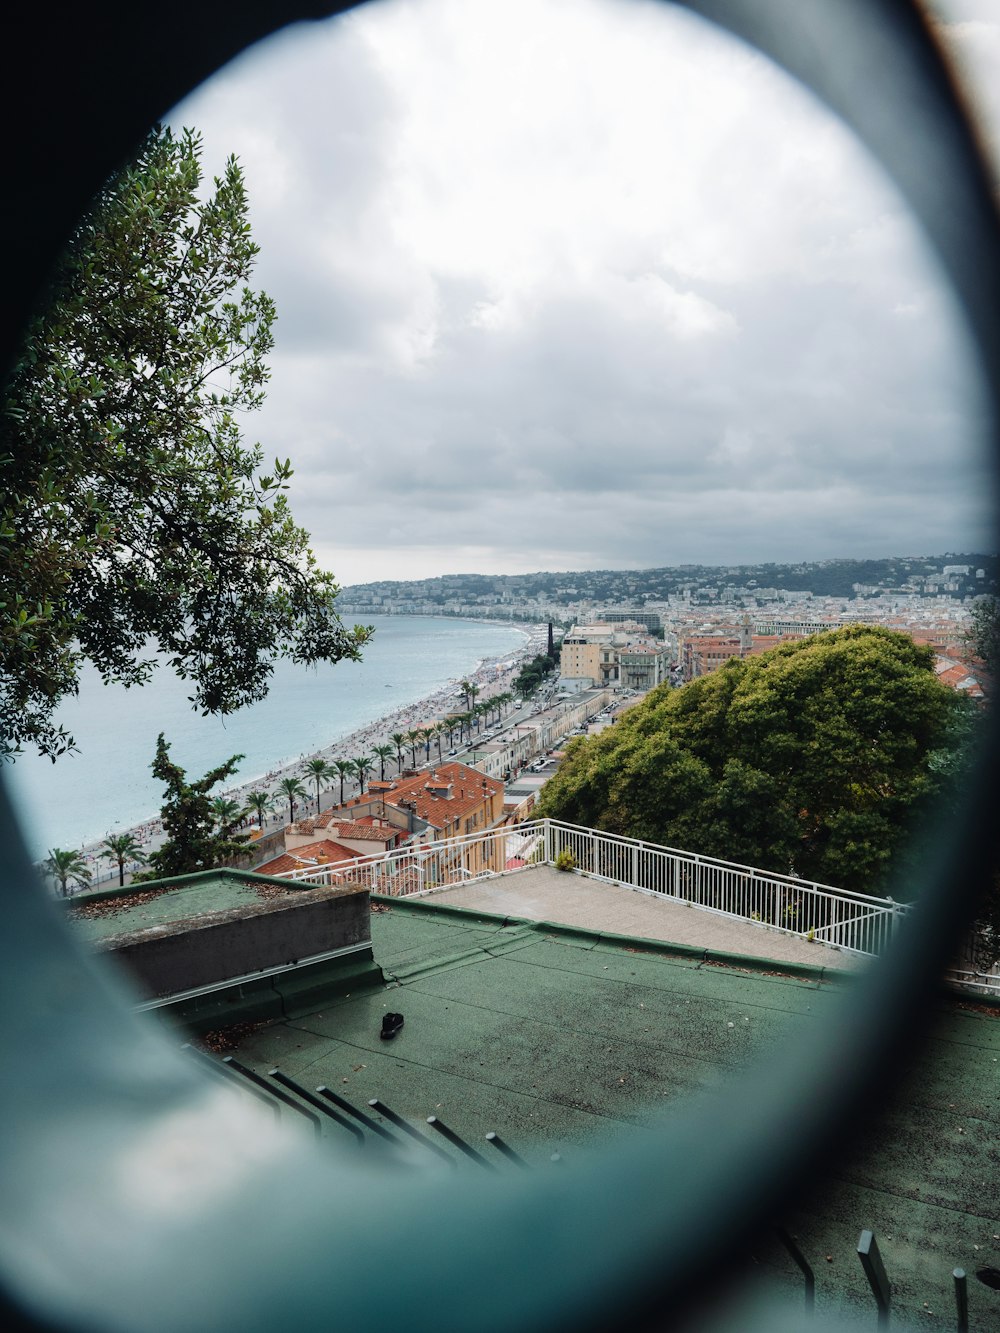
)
(558, 1039)
(142, 906)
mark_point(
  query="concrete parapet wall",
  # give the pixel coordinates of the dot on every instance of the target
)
(214, 948)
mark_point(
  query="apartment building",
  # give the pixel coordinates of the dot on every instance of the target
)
(437, 805)
(700, 654)
(593, 654)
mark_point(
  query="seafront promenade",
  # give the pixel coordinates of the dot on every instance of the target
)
(493, 676)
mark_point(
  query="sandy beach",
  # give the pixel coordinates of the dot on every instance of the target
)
(494, 676)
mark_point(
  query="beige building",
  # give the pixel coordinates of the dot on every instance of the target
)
(623, 654)
(643, 666)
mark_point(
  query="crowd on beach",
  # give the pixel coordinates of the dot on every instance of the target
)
(490, 678)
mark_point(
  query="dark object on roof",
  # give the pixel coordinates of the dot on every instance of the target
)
(391, 1023)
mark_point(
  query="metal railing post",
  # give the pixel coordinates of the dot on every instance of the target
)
(961, 1300)
(871, 1262)
(459, 1143)
(803, 1266)
(313, 1100)
(494, 1139)
(400, 1123)
(282, 1097)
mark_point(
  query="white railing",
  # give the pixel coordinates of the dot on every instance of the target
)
(430, 866)
(857, 922)
(985, 983)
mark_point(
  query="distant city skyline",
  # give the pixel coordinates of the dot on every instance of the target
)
(925, 582)
(573, 284)
(725, 565)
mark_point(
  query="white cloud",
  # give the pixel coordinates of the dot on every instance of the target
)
(571, 282)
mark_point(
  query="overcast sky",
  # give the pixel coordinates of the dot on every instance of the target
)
(571, 284)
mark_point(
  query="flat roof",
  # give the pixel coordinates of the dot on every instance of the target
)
(100, 915)
(558, 1038)
(542, 893)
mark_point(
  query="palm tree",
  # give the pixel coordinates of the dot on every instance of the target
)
(123, 847)
(384, 752)
(227, 812)
(293, 789)
(259, 801)
(413, 740)
(465, 689)
(399, 740)
(363, 765)
(426, 736)
(319, 770)
(344, 769)
(65, 865)
(439, 731)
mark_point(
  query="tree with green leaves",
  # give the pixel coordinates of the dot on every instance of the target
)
(382, 752)
(820, 757)
(533, 673)
(318, 770)
(399, 740)
(292, 790)
(134, 520)
(259, 802)
(983, 634)
(413, 738)
(227, 812)
(195, 841)
(64, 866)
(440, 731)
(345, 769)
(123, 847)
(364, 766)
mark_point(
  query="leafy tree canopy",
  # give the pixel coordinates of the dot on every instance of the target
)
(65, 865)
(133, 518)
(816, 757)
(532, 673)
(983, 636)
(196, 839)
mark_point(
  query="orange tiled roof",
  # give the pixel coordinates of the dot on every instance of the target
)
(346, 828)
(959, 677)
(439, 795)
(362, 830)
(309, 857)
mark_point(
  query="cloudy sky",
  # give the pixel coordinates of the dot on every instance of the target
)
(573, 284)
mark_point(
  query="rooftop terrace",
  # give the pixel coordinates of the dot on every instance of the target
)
(567, 1010)
(542, 893)
(559, 1039)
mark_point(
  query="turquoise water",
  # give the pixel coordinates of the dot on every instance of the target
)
(107, 786)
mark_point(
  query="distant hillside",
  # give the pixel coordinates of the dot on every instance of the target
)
(824, 578)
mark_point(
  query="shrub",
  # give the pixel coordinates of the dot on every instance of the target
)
(565, 860)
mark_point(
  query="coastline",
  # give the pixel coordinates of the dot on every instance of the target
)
(492, 675)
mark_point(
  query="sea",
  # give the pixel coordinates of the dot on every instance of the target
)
(106, 786)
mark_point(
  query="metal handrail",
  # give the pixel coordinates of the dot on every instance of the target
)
(859, 923)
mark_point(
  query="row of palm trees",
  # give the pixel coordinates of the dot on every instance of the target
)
(71, 866)
(67, 866)
(319, 771)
